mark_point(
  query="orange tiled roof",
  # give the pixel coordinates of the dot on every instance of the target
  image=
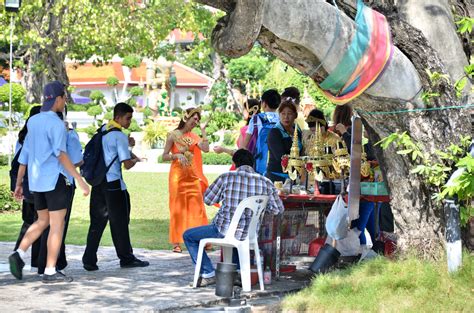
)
(90, 75)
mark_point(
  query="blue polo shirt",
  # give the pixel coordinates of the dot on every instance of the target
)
(74, 151)
(45, 140)
(115, 143)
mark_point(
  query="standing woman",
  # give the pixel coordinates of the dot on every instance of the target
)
(280, 139)
(187, 182)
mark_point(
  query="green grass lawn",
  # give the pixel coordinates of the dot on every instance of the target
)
(149, 215)
(382, 285)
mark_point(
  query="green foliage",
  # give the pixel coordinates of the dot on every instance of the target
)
(18, 97)
(465, 24)
(219, 120)
(136, 91)
(90, 130)
(7, 202)
(155, 133)
(230, 139)
(112, 81)
(134, 127)
(94, 111)
(109, 116)
(147, 112)
(250, 67)
(3, 131)
(213, 158)
(79, 107)
(436, 169)
(4, 160)
(97, 97)
(281, 76)
(459, 86)
(219, 94)
(132, 61)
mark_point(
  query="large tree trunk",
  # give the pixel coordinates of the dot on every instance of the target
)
(45, 63)
(301, 33)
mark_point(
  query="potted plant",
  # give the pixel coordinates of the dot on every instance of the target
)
(155, 135)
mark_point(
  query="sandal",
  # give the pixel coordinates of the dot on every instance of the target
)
(177, 249)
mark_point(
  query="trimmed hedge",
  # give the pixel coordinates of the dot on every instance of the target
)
(7, 202)
(213, 158)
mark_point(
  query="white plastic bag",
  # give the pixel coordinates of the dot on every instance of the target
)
(350, 245)
(338, 219)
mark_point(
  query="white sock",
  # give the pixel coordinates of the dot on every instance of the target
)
(50, 271)
(22, 254)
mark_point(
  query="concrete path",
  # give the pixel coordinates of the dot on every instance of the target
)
(161, 286)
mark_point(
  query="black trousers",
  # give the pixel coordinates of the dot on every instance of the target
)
(29, 216)
(43, 252)
(109, 203)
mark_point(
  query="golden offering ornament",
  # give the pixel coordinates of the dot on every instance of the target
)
(293, 164)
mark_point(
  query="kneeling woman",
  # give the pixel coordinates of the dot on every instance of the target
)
(187, 182)
(280, 139)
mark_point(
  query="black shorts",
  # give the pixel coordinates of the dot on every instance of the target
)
(53, 200)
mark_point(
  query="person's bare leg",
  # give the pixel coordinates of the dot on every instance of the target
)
(35, 230)
(56, 223)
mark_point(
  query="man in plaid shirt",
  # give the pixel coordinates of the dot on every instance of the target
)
(230, 189)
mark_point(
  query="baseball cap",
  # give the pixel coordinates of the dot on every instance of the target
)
(51, 91)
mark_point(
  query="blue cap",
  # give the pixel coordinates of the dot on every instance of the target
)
(51, 91)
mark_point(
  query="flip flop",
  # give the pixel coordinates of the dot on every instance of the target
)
(177, 249)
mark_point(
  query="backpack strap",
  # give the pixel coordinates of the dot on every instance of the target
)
(105, 132)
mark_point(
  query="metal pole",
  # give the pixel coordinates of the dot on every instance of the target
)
(10, 129)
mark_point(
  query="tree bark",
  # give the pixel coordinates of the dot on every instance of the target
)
(301, 34)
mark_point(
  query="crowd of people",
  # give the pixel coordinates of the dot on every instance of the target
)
(44, 176)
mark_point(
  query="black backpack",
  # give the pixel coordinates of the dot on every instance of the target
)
(94, 168)
(15, 165)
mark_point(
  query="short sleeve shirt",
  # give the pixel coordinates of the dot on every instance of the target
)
(272, 117)
(45, 140)
(74, 151)
(115, 144)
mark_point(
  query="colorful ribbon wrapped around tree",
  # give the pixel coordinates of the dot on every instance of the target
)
(368, 54)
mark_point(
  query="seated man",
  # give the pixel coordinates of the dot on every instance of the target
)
(230, 189)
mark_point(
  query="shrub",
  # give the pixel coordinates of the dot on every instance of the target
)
(79, 107)
(131, 61)
(136, 91)
(230, 139)
(155, 133)
(4, 160)
(112, 81)
(212, 158)
(7, 202)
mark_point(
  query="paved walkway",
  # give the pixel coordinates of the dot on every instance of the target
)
(161, 286)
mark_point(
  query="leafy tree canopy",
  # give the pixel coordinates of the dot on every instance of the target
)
(82, 29)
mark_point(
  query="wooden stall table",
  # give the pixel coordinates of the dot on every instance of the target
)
(308, 203)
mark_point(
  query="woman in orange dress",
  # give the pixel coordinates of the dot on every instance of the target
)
(187, 182)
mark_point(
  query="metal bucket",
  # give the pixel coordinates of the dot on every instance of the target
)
(225, 275)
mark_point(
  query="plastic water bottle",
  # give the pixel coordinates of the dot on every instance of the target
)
(267, 276)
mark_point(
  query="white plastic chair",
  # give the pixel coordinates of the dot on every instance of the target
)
(257, 204)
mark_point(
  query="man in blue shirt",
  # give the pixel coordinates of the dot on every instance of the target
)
(110, 200)
(44, 151)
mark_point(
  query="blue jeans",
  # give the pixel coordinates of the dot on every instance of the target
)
(193, 236)
(366, 220)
